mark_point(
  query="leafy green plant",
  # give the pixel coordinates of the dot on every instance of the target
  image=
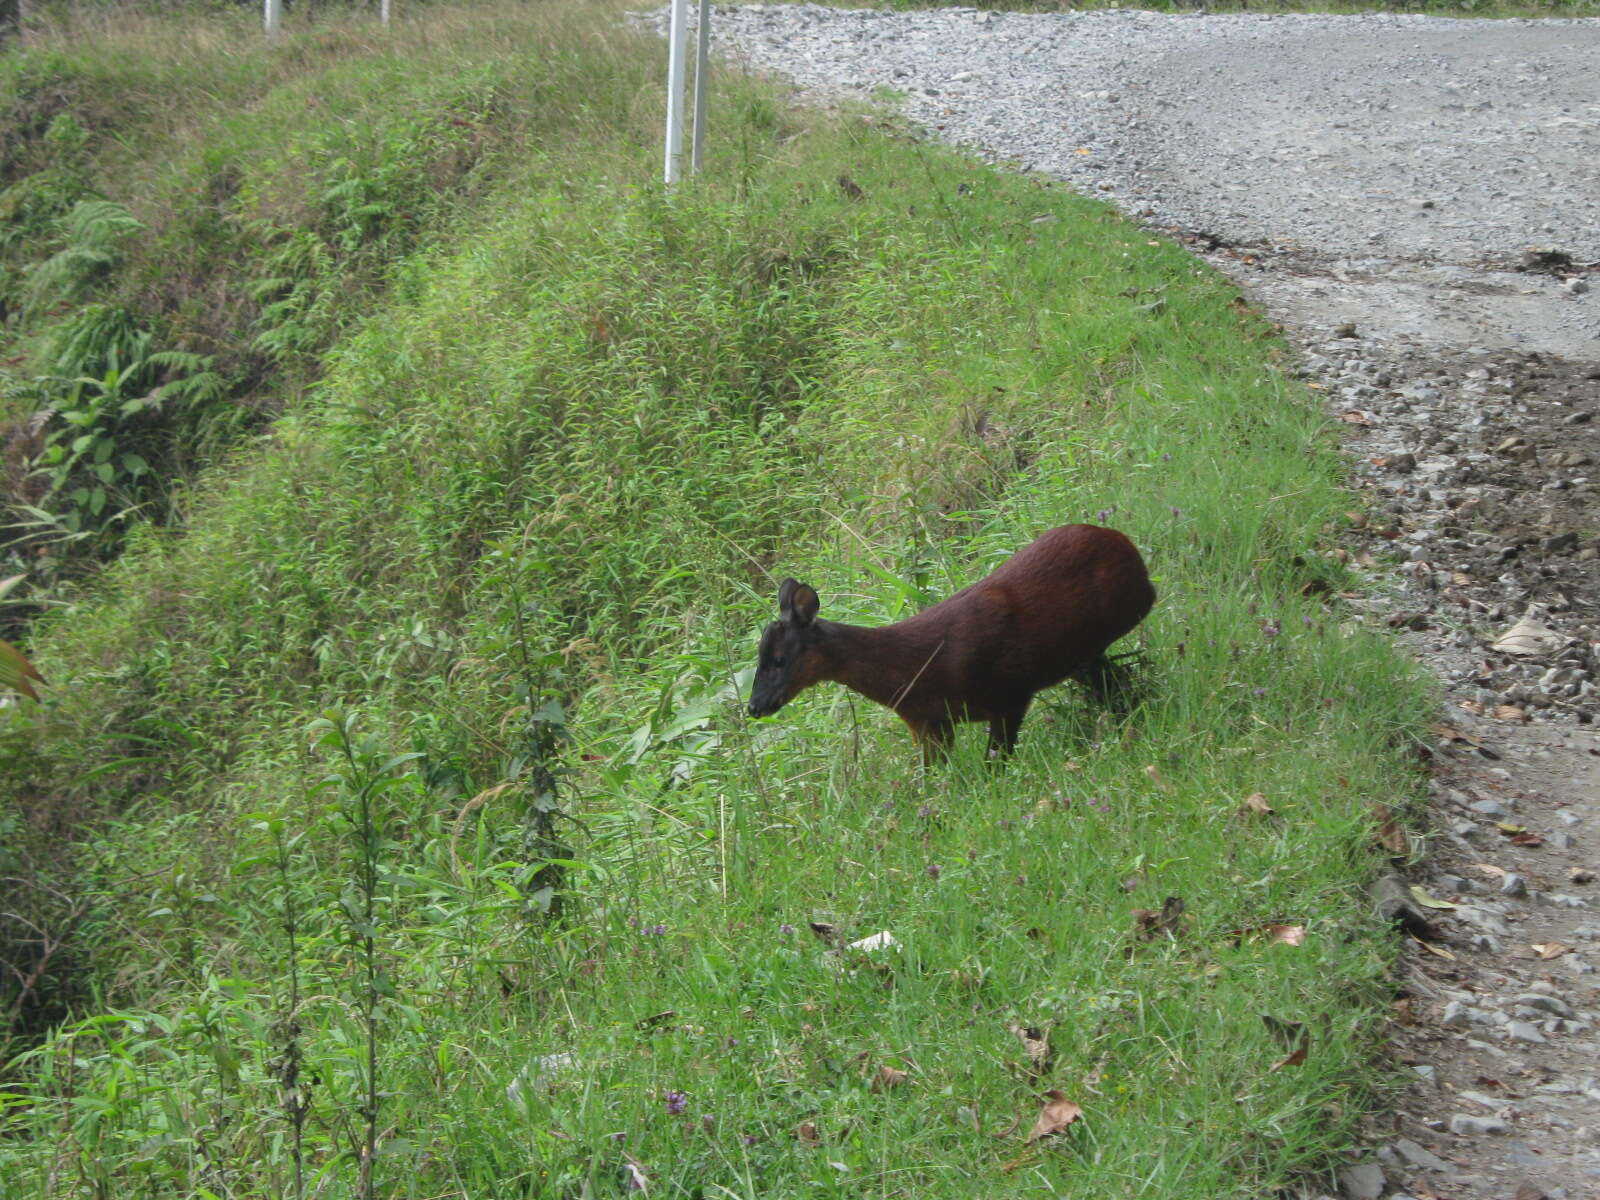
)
(94, 231)
(363, 777)
(92, 461)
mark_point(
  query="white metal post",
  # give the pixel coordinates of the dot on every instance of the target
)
(701, 59)
(677, 39)
(273, 17)
(383, 12)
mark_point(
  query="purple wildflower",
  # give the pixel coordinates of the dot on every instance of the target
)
(676, 1102)
(1261, 692)
(1271, 629)
(1176, 511)
(750, 1139)
(925, 811)
(786, 930)
(933, 870)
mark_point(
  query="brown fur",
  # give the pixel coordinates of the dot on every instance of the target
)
(1046, 613)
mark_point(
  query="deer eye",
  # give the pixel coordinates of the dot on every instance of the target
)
(779, 661)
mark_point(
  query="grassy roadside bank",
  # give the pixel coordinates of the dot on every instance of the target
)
(527, 527)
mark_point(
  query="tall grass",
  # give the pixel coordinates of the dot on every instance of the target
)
(529, 524)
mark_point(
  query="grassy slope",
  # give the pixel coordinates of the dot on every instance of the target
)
(565, 462)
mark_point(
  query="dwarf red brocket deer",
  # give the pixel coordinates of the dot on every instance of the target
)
(1048, 612)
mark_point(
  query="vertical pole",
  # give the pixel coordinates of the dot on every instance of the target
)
(273, 16)
(701, 86)
(676, 53)
(383, 13)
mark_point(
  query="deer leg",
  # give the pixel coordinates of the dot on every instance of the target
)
(933, 739)
(1110, 683)
(1003, 731)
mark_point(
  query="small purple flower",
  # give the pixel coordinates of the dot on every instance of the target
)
(1260, 692)
(1166, 458)
(1307, 622)
(676, 1102)
(786, 930)
(1104, 513)
(654, 931)
(933, 870)
(1005, 822)
(1271, 629)
(750, 1139)
(619, 1136)
(925, 811)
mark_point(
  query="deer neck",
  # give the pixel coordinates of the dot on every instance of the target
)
(883, 663)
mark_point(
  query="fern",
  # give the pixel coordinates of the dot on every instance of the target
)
(94, 229)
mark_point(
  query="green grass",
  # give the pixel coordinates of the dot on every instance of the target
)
(530, 521)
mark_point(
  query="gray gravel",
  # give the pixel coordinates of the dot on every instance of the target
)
(1418, 157)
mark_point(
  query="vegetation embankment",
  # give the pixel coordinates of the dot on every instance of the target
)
(530, 911)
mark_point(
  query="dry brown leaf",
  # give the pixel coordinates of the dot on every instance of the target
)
(638, 1181)
(1290, 1033)
(1150, 923)
(1421, 896)
(1438, 951)
(1295, 1058)
(1580, 875)
(1289, 935)
(1036, 1042)
(1057, 1114)
(1549, 950)
(888, 1077)
(1528, 1192)
(1508, 712)
(1154, 775)
(1255, 804)
(1489, 870)
(1527, 838)
(806, 1134)
(1390, 833)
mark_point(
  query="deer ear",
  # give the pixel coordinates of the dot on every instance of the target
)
(803, 605)
(786, 591)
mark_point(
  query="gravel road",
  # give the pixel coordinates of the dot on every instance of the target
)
(1404, 163)
(1417, 200)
